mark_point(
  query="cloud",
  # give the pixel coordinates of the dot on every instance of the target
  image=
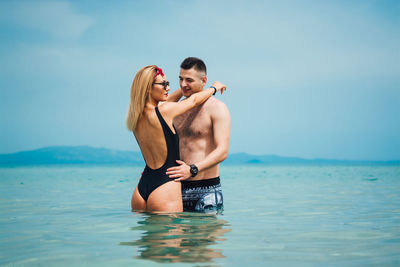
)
(57, 18)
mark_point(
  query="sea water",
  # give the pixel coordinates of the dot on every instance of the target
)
(273, 216)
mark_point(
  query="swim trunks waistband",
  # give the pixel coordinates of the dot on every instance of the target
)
(201, 183)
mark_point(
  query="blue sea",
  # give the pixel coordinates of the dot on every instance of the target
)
(274, 216)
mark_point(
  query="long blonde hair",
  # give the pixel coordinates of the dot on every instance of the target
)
(141, 86)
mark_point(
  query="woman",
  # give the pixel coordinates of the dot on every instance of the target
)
(151, 123)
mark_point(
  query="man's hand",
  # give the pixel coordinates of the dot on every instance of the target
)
(181, 172)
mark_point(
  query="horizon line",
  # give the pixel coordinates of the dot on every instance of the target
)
(247, 153)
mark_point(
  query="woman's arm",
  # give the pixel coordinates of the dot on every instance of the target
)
(173, 109)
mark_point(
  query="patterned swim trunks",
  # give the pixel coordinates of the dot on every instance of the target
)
(202, 196)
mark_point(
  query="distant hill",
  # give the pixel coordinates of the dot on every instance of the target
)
(91, 155)
(244, 158)
(71, 155)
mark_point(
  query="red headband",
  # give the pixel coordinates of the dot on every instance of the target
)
(159, 71)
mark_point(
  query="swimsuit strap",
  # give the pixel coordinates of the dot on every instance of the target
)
(171, 139)
(163, 123)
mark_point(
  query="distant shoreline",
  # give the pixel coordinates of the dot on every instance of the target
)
(90, 156)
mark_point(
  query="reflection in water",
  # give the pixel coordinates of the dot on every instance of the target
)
(179, 237)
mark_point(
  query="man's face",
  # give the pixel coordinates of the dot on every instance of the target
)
(191, 81)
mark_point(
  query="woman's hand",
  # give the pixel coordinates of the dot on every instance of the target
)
(219, 86)
(181, 172)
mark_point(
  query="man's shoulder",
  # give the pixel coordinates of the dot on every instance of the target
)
(216, 107)
(213, 103)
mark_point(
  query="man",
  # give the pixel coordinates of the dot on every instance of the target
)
(204, 142)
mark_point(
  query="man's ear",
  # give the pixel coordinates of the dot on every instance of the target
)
(204, 80)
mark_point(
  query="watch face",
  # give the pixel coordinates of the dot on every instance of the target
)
(193, 170)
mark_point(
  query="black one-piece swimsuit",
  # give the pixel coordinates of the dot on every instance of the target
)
(153, 178)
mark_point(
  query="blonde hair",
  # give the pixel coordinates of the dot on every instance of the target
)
(141, 86)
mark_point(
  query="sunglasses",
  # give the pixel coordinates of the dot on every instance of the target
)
(164, 83)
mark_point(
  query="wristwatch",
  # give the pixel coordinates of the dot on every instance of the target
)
(194, 170)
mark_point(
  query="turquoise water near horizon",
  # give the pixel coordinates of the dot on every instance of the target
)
(274, 215)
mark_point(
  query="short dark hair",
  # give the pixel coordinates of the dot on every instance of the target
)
(194, 62)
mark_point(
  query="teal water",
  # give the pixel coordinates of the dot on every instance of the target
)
(274, 215)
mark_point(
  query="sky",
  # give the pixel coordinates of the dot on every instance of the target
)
(311, 79)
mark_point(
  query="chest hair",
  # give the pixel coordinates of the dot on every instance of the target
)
(194, 123)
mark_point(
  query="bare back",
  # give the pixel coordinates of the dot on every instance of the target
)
(150, 137)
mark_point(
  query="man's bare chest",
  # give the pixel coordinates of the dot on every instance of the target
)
(195, 123)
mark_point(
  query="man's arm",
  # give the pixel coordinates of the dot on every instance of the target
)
(221, 130)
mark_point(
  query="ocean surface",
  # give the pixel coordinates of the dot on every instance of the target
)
(273, 216)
